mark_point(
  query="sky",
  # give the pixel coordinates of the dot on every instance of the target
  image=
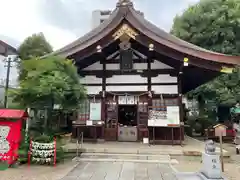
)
(63, 21)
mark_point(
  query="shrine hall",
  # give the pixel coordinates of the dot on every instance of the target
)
(135, 75)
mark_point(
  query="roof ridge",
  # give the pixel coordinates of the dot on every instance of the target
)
(87, 35)
(8, 45)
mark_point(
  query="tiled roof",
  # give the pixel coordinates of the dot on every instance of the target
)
(128, 13)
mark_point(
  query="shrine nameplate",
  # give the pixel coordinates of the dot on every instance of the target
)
(127, 100)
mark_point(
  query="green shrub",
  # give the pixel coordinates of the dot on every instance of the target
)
(43, 139)
(3, 165)
(60, 154)
(23, 148)
(188, 130)
(23, 156)
(199, 123)
(198, 127)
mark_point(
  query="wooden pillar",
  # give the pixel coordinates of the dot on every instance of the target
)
(149, 79)
(103, 59)
(180, 74)
(149, 85)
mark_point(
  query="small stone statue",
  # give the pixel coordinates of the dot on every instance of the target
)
(210, 147)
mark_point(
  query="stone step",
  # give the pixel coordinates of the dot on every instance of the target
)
(143, 158)
(126, 156)
(152, 151)
(80, 159)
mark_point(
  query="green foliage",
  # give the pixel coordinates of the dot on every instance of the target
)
(23, 149)
(34, 46)
(3, 165)
(199, 123)
(60, 152)
(213, 25)
(49, 81)
(43, 139)
(224, 90)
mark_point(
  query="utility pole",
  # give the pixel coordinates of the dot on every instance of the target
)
(9, 61)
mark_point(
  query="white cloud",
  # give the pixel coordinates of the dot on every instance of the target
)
(23, 20)
(58, 37)
(62, 21)
(18, 18)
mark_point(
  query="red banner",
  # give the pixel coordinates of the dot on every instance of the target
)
(10, 136)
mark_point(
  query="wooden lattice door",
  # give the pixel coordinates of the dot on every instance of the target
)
(111, 125)
(143, 118)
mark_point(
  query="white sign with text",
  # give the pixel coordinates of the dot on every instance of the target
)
(162, 118)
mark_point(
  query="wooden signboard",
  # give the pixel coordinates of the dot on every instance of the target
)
(220, 130)
(95, 111)
(163, 118)
(127, 100)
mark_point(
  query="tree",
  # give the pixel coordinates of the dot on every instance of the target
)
(49, 81)
(213, 25)
(34, 46)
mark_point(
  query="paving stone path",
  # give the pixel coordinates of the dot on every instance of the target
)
(121, 171)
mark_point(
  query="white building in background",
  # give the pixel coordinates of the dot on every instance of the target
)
(98, 16)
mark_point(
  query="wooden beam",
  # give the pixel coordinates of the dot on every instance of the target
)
(128, 84)
(113, 55)
(178, 56)
(117, 61)
(156, 96)
(143, 73)
(84, 56)
(137, 55)
(160, 57)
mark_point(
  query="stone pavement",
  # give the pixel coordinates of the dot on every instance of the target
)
(37, 172)
(121, 171)
(232, 170)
